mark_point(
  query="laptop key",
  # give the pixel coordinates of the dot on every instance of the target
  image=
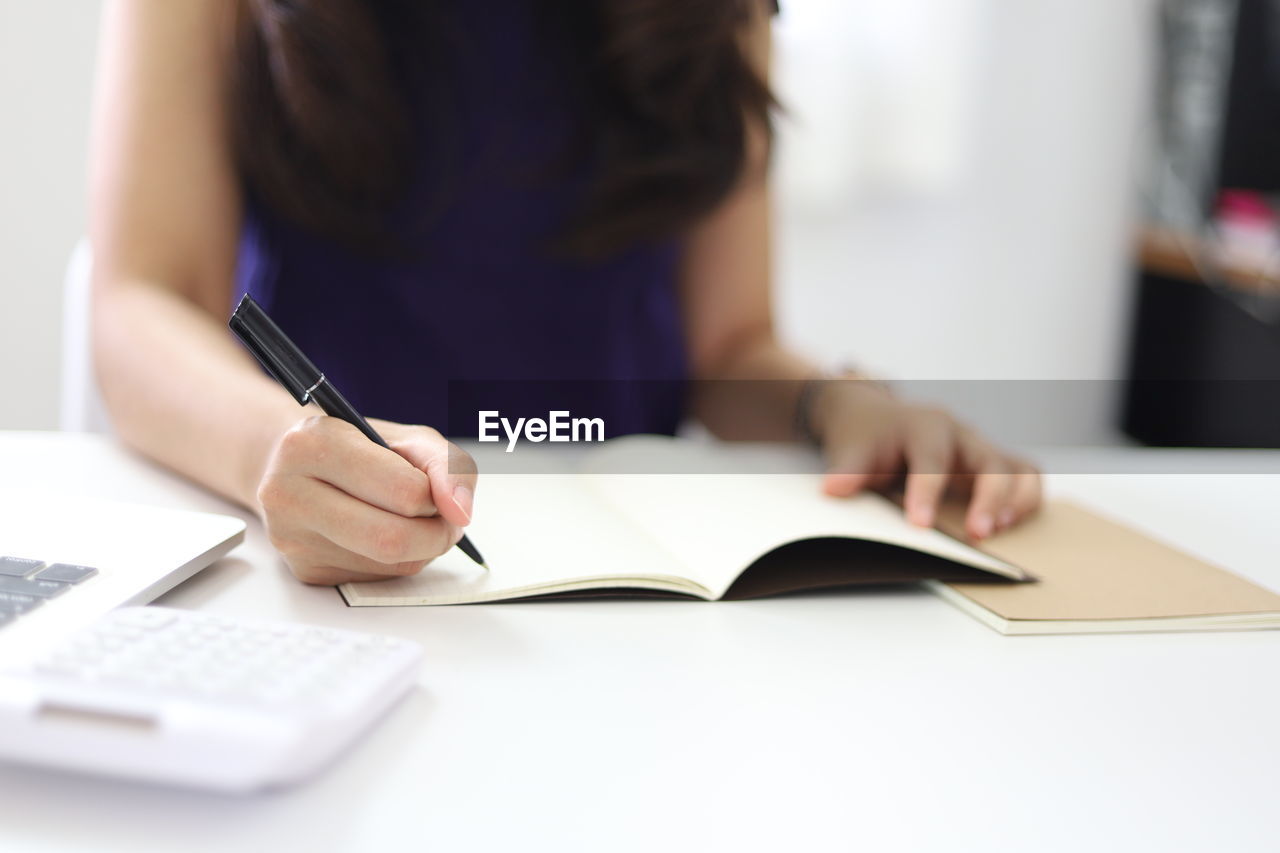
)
(12, 602)
(65, 573)
(18, 567)
(40, 589)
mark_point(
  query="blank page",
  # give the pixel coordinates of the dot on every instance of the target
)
(718, 524)
(538, 533)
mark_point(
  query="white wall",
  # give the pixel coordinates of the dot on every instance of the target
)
(47, 52)
(1014, 266)
(1017, 264)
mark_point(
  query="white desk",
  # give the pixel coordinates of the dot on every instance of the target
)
(873, 721)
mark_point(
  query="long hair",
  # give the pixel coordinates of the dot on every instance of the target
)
(323, 134)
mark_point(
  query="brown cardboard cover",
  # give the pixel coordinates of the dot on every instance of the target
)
(1093, 568)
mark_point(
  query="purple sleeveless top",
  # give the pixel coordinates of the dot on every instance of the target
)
(484, 316)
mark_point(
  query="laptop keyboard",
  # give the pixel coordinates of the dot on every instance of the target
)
(26, 584)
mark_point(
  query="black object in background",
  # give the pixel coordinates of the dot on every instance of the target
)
(1250, 150)
(1204, 359)
(1204, 372)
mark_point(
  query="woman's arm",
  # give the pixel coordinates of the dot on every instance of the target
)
(727, 301)
(749, 386)
(166, 213)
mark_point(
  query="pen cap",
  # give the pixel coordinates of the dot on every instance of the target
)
(279, 355)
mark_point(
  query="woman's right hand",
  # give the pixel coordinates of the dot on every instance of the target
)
(340, 508)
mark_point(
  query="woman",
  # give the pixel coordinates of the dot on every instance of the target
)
(425, 194)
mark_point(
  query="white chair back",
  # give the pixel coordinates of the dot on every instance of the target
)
(81, 408)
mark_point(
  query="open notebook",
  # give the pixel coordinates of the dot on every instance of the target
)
(691, 527)
(694, 529)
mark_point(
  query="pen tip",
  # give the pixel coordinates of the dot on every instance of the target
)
(484, 566)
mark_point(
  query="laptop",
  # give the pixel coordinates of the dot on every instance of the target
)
(64, 562)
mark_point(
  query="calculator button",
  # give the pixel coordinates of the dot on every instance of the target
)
(24, 586)
(57, 666)
(66, 573)
(147, 618)
(18, 567)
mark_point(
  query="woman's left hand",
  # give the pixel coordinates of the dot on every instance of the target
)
(871, 440)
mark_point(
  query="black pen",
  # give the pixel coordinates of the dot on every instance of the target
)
(288, 366)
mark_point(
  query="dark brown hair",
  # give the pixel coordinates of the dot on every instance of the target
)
(323, 136)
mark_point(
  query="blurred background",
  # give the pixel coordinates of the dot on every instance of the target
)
(960, 185)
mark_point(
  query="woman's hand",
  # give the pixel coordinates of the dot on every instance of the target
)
(871, 440)
(340, 508)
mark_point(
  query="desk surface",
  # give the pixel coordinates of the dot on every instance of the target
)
(875, 720)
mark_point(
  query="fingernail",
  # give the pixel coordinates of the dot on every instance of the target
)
(922, 514)
(457, 536)
(1006, 517)
(982, 525)
(463, 496)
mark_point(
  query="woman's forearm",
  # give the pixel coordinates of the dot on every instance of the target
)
(753, 392)
(181, 391)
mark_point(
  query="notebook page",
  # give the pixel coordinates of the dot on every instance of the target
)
(538, 533)
(719, 523)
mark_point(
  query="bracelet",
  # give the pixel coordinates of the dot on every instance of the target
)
(804, 412)
(809, 390)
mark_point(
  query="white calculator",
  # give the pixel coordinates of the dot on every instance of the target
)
(199, 700)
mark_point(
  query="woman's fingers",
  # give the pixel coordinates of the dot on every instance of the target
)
(329, 575)
(340, 507)
(1027, 494)
(939, 455)
(381, 536)
(335, 452)
(992, 491)
(850, 472)
(303, 505)
(929, 447)
(1004, 491)
(450, 469)
(316, 560)
(453, 483)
